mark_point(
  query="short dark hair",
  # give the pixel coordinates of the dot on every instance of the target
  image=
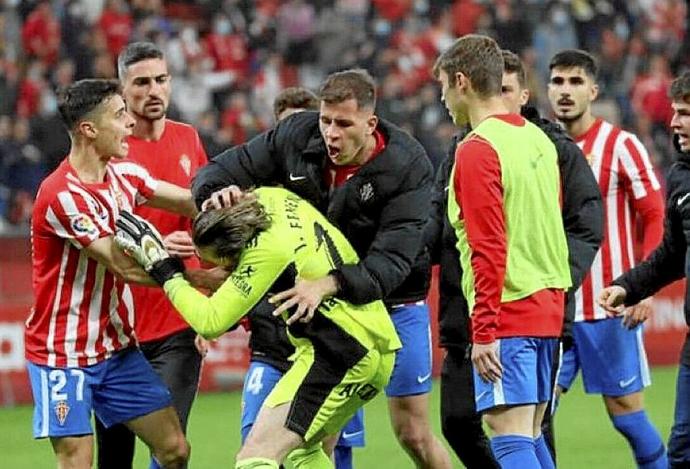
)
(680, 88)
(136, 52)
(355, 84)
(227, 230)
(82, 97)
(295, 98)
(479, 58)
(570, 58)
(513, 64)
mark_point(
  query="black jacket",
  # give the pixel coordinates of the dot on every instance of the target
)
(671, 259)
(583, 220)
(381, 210)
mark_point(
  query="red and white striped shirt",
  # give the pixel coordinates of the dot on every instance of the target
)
(629, 188)
(82, 313)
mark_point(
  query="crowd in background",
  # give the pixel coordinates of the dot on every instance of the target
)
(230, 58)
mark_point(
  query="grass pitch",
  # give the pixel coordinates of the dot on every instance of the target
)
(585, 437)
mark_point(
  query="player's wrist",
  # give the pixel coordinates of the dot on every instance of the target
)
(165, 269)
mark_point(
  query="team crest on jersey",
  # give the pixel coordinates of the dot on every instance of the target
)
(83, 225)
(366, 192)
(186, 164)
(61, 411)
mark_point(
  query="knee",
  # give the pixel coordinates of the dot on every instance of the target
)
(175, 453)
(412, 437)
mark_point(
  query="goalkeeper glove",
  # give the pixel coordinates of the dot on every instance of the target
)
(142, 241)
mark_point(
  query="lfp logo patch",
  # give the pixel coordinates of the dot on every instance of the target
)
(83, 225)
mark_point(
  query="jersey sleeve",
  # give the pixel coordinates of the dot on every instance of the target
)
(141, 181)
(71, 216)
(644, 188)
(211, 316)
(479, 187)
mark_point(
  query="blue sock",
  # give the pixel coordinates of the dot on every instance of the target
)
(515, 451)
(643, 438)
(543, 453)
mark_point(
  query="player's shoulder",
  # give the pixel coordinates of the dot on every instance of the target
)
(60, 180)
(127, 168)
(180, 128)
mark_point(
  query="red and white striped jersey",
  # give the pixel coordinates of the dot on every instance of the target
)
(82, 313)
(629, 188)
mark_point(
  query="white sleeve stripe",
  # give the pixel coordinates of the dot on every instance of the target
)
(92, 203)
(60, 230)
(637, 174)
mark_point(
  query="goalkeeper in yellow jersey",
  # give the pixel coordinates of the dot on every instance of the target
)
(344, 354)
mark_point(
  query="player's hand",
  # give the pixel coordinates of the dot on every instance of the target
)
(636, 315)
(202, 345)
(486, 361)
(142, 241)
(306, 295)
(612, 299)
(179, 244)
(226, 197)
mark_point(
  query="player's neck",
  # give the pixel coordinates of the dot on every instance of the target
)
(579, 127)
(89, 165)
(149, 130)
(481, 109)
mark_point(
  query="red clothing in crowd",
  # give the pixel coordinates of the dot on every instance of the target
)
(117, 27)
(41, 35)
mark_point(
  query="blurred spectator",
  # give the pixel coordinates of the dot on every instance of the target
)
(231, 57)
(116, 24)
(41, 34)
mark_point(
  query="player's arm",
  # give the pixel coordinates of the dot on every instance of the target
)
(105, 251)
(478, 183)
(253, 163)
(666, 263)
(398, 241)
(237, 296)
(173, 199)
(645, 191)
(479, 190)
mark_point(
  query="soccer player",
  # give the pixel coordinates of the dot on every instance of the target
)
(345, 353)
(582, 220)
(630, 190)
(269, 343)
(170, 151)
(667, 264)
(515, 271)
(80, 341)
(373, 181)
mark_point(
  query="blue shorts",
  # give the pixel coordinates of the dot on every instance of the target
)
(611, 357)
(527, 365)
(412, 372)
(118, 390)
(260, 380)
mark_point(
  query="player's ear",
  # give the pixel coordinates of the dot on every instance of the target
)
(594, 92)
(87, 128)
(524, 96)
(372, 122)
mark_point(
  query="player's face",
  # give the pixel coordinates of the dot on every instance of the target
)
(451, 99)
(514, 96)
(345, 127)
(147, 89)
(571, 92)
(113, 125)
(681, 123)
